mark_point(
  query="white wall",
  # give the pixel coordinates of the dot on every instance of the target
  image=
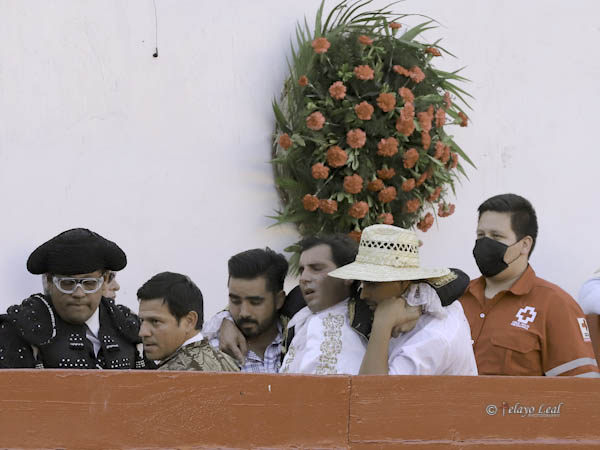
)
(168, 156)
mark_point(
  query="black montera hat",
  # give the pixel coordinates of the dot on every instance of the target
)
(76, 251)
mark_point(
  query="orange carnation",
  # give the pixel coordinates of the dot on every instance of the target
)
(375, 185)
(446, 155)
(386, 174)
(310, 202)
(406, 94)
(446, 210)
(413, 205)
(364, 73)
(454, 160)
(355, 235)
(365, 40)
(386, 101)
(463, 118)
(387, 195)
(425, 223)
(433, 51)
(356, 138)
(303, 81)
(416, 74)
(447, 100)
(408, 185)
(395, 25)
(423, 178)
(320, 171)
(435, 194)
(285, 141)
(410, 158)
(425, 139)
(401, 71)
(353, 184)
(440, 118)
(315, 121)
(336, 157)
(408, 112)
(425, 119)
(337, 90)
(321, 45)
(387, 147)
(405, 126)
(386, 218)
(328, 206)
(439, 150)
(364, 111)
(359, 210)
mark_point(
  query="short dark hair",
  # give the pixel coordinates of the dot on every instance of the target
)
(258, 262)
(523, 219)
(178, 291)
(343, 248)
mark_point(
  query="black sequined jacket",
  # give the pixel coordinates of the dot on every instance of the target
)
(62, 345)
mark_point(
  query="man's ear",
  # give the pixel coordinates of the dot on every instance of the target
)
(190, 320)
(526, 244)
(279, 299)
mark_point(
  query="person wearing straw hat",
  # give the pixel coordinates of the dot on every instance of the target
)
(412, 333)
(72, 325)
(330, 334)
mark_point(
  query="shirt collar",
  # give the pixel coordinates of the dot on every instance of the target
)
(196, 338)
(93, 323)
(525, 282)
(520, 287)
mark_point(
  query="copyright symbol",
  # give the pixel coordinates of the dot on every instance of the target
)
(491, 410)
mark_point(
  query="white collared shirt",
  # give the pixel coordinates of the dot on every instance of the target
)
(197, 338)
(324, 343)
(92, 330)
(435, 346)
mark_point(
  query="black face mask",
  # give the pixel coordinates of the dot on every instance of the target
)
(489, 256)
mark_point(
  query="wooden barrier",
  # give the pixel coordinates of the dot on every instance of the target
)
(139, 409)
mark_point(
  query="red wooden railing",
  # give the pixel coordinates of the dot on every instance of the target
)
(129, 409)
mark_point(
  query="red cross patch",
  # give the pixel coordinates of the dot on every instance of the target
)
(583, 327)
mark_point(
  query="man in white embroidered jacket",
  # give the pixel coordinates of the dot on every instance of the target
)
(324, 340)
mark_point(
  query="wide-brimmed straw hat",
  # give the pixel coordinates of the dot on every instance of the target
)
(387, 253)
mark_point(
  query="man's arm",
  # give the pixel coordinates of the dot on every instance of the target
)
(391, 317)
(232, 341)
(567, 349)
(223, 333)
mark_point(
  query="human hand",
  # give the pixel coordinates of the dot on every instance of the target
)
(396, 315)
(232, 341)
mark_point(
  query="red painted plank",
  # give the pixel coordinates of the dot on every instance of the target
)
(92, 409)
(445, 410)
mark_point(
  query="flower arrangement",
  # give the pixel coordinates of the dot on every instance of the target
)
(361, 126)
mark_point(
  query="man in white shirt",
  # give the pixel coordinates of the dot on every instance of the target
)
(171, 311)
(412, 334)
(325, 334)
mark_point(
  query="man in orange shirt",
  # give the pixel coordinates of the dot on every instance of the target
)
(521, 324)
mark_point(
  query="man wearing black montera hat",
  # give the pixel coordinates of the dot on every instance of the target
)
(71, 325)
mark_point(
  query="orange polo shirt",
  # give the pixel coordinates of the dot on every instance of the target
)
(534, 328)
